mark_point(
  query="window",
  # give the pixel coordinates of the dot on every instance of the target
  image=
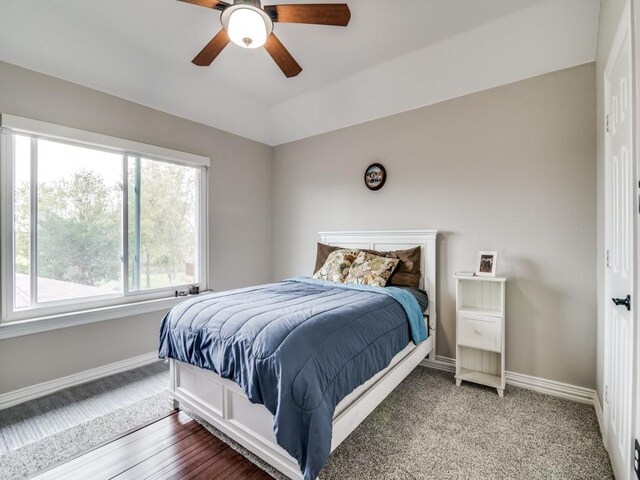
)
(90, 224)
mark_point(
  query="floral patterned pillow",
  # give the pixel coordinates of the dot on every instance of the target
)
(369, 269)
(336, 267)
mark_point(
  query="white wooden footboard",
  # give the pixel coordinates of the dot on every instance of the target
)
(223, 404)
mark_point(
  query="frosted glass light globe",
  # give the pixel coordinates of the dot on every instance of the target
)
(247, 28)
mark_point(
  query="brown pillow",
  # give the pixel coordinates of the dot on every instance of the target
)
(407, 273)
(323, 253)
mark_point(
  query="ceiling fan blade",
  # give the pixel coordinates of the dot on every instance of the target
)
(209, 53)
(215, 4)
(282, 57)
(337, 14)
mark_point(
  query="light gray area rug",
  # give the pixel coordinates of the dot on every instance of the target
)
(427, 428)
(42, 417)
(64, 445)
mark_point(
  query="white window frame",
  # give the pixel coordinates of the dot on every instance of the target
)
(78, 311)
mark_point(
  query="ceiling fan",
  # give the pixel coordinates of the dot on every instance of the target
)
(250, 25)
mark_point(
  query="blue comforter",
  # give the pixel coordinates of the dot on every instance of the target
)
(297, 347)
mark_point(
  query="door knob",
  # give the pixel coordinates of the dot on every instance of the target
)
(623, 301)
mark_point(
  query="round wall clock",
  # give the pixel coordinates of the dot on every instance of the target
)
(375, 176)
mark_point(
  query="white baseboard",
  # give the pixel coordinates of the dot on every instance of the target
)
(40, 390)
(551, 387)
(598, 406)
(542, 385)
(440, 363)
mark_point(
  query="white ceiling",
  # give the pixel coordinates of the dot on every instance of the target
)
(141, 50)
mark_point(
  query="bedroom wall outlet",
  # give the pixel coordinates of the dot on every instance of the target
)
(636, 459)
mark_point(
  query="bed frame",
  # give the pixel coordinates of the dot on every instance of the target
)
(225, 406)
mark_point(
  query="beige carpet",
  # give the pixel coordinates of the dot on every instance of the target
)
(430, 429)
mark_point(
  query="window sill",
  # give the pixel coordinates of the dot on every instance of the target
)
(55, 322)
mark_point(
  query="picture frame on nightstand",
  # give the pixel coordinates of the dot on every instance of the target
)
(486, 264)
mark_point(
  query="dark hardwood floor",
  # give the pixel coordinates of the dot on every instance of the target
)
(173, 447)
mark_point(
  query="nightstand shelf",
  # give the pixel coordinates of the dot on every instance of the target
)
(480, 331)
(474, 376)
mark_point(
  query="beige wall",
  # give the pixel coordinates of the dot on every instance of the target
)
(240, 213)
(610, 13)
(33, 359)
(511, 169)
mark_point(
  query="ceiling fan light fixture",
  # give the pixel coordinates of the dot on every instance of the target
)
(246, 25)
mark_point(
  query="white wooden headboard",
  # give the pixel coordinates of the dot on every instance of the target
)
(398, 240)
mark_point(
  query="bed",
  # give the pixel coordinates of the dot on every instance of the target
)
(223, 403)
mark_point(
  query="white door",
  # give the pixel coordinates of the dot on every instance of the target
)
(620, 301)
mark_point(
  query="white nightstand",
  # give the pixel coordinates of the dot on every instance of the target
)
(480, 334)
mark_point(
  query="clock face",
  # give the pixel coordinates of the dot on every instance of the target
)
(375, 176)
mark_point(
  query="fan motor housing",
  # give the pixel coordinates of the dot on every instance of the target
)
(254, 3)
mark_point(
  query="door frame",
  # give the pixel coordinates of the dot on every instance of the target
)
(634, 6)
(629, 16)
